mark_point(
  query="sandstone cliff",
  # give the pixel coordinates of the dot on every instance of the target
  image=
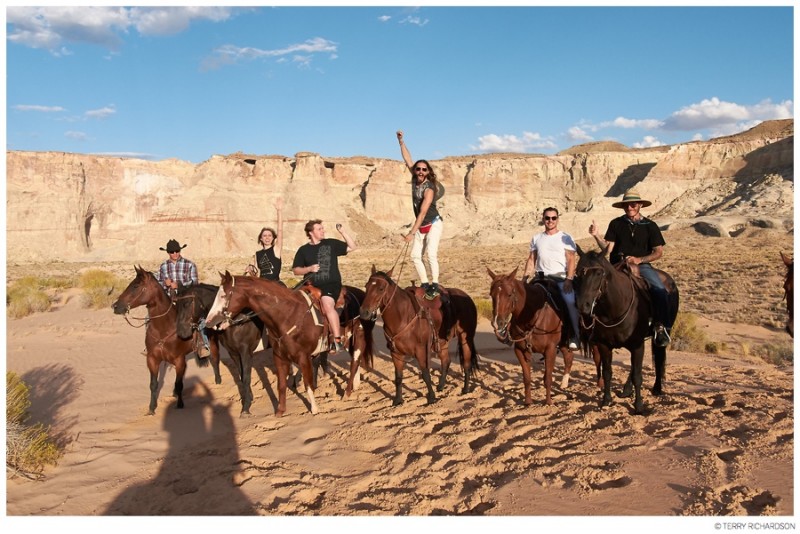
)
(75, 207)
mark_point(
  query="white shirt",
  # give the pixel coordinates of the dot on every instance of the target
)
(551, 252)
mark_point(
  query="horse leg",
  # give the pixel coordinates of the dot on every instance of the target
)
(153, 366)
(180, 370)
(213, 344)
(549, 366)
(422, 358)
(246, 372)
(524, 358)
(444, 358)
(637, 355)
(282, 369)
(568, 359)
(357, 343)
(627, 389)
(398, 361)
(465, 356)
(605, 357)
(660, 364)
(306, 371)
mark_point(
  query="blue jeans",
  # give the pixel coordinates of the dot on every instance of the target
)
(569, 300)
(658, 293)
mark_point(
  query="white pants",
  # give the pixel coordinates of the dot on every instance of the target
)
(428, 244)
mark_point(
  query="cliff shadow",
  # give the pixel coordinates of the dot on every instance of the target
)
(628, 178)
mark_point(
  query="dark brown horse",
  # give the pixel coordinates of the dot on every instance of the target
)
(240, 340)
(161, 339)
(525, 316)
(412, 329)
(615, 311)
(788, 291)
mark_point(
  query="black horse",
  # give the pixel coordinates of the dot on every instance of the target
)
(240, 340)
(615, 311)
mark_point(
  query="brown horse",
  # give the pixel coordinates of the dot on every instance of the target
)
(412, 329)
(615, 313)
(161, 339)
(788, 291)
(524, 315)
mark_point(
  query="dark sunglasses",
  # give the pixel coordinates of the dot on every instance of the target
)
(420, 168)
(546, 218)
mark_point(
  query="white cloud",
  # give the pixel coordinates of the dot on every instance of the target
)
(648, 142)
(301, 53)
(101, 113)
(716, 113)
(577, 134)
(77, 136)
(416, 21)
(511, 143)
(49, 28)
(698, 137)
(647, 124)
(384, 18)
(34, 107)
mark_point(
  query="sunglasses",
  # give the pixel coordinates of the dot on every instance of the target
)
(546, 218)
(421, 169)
(174, 252)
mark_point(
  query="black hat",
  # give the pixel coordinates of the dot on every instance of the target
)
(173, 246)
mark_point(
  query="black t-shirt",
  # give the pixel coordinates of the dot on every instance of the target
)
(633, 238)
(326, 254)
(269, 266)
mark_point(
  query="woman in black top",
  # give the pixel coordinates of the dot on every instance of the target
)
(268, 259)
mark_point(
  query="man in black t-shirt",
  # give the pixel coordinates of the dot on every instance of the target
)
(637, 240)
(318, 261)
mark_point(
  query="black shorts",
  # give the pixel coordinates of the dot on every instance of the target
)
(331, 289)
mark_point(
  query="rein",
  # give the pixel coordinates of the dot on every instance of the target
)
(144, 320)
(525, 333)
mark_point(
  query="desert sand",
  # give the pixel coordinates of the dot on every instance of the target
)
(720, 442)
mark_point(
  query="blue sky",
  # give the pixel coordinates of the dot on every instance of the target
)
(189, 83)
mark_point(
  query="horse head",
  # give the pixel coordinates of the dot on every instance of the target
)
(141, 291)
(591, 277)
(192, 303)
(224, 307)
(506, 292)
(380, 289)
(788, 291)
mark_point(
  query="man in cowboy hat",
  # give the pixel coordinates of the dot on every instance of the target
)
(637, 240)
(176, 272)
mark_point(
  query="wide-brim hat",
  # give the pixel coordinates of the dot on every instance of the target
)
(172, 246)
(631, 196)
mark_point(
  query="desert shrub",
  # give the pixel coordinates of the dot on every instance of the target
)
(715, 347)
(484, 308)
(29, 448)
(687, 336)
(774, 353)
(100, 288)
(26, 296)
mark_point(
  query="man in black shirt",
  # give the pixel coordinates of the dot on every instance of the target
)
(318, 261)
(637, 240)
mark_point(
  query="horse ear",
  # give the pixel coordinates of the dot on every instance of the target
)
(514, 272)
(786, 260)
(389, 274)
(579, 250)
(373, 269)
(491, 274)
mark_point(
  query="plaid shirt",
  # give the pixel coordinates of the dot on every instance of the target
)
(182, 271)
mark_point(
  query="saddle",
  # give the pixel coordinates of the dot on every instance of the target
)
(316, 295)
(556, 300)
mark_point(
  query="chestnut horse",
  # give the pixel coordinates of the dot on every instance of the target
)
(412, 329)
(240, 340)
(788, 291)
(523, 315)
(295, 328)
(615, 312)
(161, 339)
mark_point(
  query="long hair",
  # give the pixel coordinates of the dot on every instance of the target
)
(270, 230)
(431, 174)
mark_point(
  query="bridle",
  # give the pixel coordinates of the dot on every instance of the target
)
(505, 332)
(144, 320)
(598, 294)
(383, 305)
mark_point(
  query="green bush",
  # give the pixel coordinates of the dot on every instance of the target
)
(26, 296)
(687, 336)
(29, 448)
(774, 353)
(484, 308)
(100, 288)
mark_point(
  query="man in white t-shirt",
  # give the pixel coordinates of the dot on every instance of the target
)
(553, 256)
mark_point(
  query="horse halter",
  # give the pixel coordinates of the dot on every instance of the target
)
(381, 304)
(147, 319)
(599, 293)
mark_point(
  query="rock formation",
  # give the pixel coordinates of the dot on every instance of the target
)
(77, 207)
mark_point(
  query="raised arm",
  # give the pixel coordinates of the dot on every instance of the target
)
(404, 151)
(351, 243)
(277, 247)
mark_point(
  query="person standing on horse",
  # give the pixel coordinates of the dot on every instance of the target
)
(637, 240)
(318, 262)
(268, 259)
(176, 272)
(553, 256)
(428, 226)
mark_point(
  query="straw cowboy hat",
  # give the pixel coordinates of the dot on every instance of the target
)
(631, 196)
(172, 246)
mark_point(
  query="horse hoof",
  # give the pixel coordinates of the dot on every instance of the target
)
(280, 413)
(180, 405)
(397, 402)
(218, 381)
(657, 392)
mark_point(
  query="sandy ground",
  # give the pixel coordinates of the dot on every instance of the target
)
(720, 442)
